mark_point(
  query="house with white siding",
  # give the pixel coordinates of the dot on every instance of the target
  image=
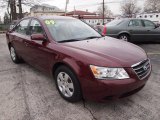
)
(155, 17)
(89, 17)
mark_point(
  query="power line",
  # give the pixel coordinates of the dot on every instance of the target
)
(96, 4)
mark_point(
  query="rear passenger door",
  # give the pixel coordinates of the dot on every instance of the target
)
(19, 35)
(136, 29)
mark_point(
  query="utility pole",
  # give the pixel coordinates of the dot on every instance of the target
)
(13, 9)
(20, 9)
(67, 1)
(103, 11)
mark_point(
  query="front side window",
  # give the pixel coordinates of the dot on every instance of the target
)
(35, 27)
(22, 27)
(135, 23)
(70, 29)
(149, 24)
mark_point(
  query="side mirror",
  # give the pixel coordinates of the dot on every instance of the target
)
(157, 25)
(38, 37)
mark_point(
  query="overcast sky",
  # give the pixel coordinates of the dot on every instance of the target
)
(91, 5)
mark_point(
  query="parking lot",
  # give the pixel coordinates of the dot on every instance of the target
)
(28, 94)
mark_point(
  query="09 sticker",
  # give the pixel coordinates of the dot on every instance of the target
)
(49, 22)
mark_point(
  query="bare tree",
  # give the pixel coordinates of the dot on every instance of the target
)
(129, 8)
(29, 3)
(107, 12)
(6, 18)
(11, 6)
(152, 6)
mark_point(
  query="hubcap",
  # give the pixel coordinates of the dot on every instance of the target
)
(13, 54)
(65, 84)
(124, 38)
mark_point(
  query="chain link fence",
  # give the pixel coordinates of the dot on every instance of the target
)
(4, 27)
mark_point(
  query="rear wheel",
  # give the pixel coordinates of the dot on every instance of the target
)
(124, 37)
(14, 55)
(67, 84)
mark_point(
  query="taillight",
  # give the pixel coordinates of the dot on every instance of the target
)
(104, 32)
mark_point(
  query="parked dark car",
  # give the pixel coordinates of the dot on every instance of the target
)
(133, 30)
(82, 62)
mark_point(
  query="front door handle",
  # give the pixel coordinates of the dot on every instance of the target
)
(26, 43)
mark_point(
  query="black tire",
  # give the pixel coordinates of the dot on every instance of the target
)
(76, 92)
(124, 37)
(16, 58)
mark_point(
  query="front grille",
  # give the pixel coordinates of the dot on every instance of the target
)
(142, 68)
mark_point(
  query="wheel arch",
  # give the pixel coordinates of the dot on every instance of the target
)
(68, 63)
(124, 32)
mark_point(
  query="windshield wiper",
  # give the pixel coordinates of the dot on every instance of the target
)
(92, 37)
(70, 40)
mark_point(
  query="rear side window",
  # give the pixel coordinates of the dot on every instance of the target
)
(35, 27)
(149, 24)
(135, 23)
(22, 27)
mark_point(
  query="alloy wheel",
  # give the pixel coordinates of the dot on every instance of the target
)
(13, 54)
(65, 84)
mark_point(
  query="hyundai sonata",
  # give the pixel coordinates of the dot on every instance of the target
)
(83, 63)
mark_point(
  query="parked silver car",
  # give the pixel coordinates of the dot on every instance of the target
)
(132, 30)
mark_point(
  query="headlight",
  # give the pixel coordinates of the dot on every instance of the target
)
(108, 73)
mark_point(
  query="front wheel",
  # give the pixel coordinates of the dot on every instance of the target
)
(68, 84)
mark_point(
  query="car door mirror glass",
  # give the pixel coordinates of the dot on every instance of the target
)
(38, 37)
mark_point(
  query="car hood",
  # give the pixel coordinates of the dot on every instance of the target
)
(108, 50)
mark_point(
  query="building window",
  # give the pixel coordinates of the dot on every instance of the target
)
(140, 16)
(157, 16)
(151, 16)
(145, 16)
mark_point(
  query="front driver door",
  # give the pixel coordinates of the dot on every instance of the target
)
(19, 36)
(39, 50)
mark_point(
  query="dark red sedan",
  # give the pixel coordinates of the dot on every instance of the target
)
(83, 63)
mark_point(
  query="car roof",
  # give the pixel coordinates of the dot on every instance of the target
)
(131, 19)
(52, 17)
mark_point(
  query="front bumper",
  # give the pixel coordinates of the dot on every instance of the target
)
(102, 90)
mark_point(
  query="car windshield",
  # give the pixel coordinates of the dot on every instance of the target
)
(70, 30)
(114, 23)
